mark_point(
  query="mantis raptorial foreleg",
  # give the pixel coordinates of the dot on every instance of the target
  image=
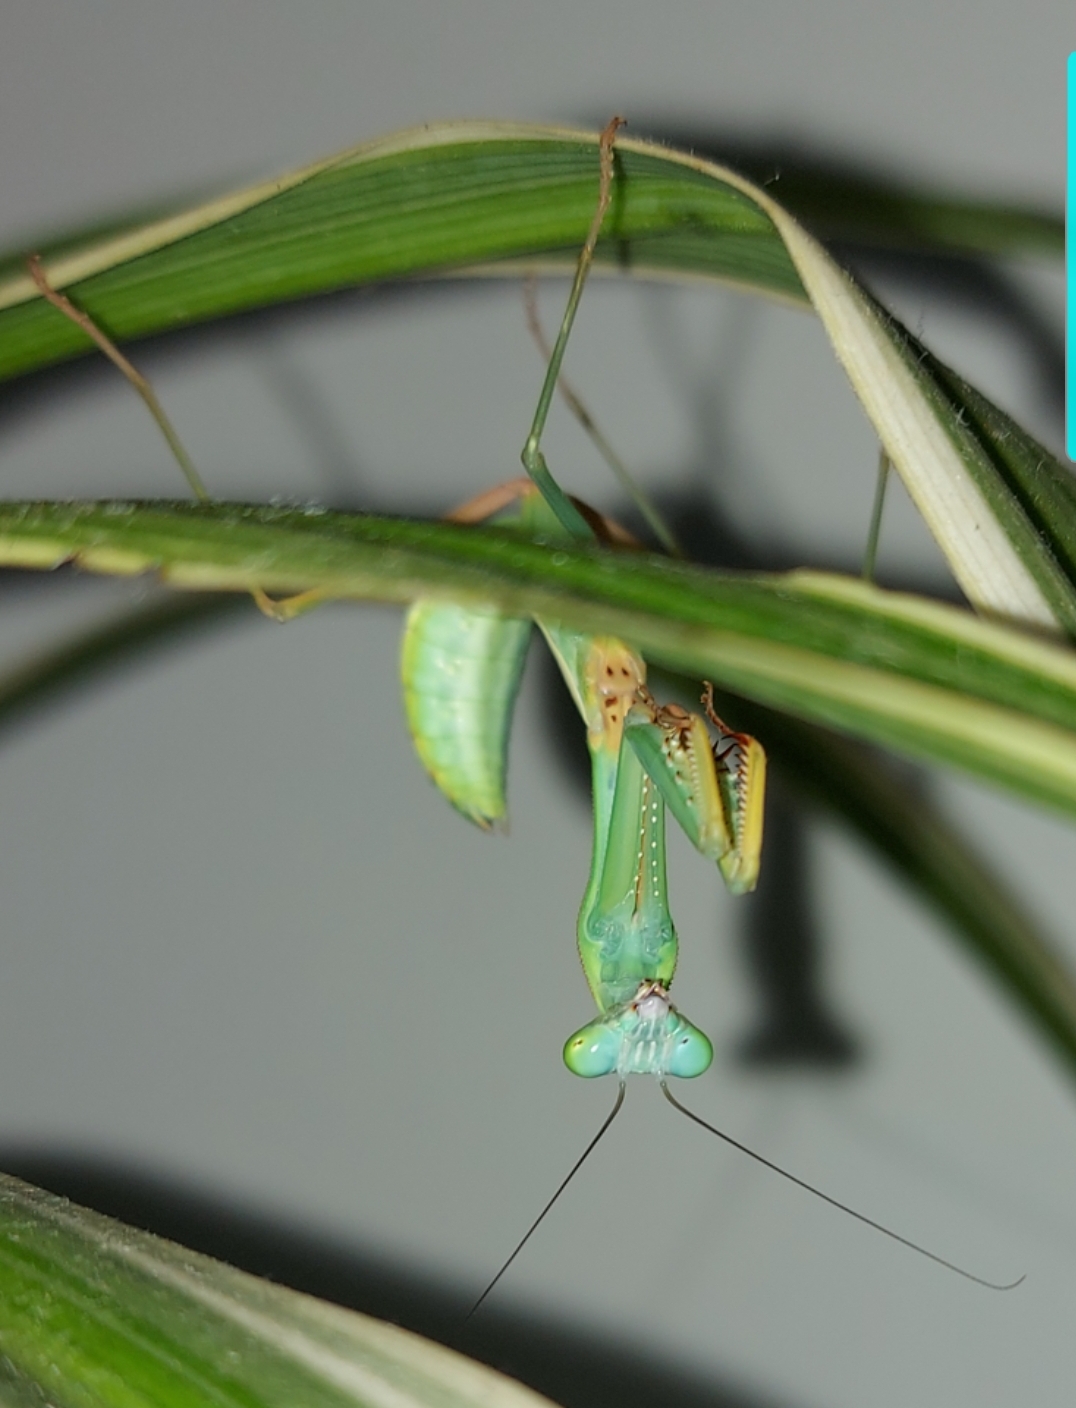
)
(741, 769)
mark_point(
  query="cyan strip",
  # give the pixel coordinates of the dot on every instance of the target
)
(1070, 267)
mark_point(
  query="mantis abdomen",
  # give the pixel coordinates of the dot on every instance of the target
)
(461, 668)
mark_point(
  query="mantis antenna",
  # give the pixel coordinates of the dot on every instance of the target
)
(833, 1202)
(580, 1161)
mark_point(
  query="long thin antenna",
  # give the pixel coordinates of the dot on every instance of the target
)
(580, 1161)
(842, 1207)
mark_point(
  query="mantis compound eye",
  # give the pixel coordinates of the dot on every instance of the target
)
(619, 1042)
(593, 1051)
(691, 1054)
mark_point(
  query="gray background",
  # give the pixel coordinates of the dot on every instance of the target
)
(246, 946)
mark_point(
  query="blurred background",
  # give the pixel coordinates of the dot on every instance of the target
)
(264, 991)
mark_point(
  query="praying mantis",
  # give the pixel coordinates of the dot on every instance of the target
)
(461, 669)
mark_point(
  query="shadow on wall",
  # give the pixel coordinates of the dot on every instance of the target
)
(573, 1367)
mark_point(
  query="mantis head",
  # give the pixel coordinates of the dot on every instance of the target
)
(644, 1036)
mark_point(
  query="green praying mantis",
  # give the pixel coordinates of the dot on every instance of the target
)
(461, 671)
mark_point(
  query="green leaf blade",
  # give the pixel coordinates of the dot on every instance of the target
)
(357, 221)
(930, 680)
(502, 196)
(97, 1315)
